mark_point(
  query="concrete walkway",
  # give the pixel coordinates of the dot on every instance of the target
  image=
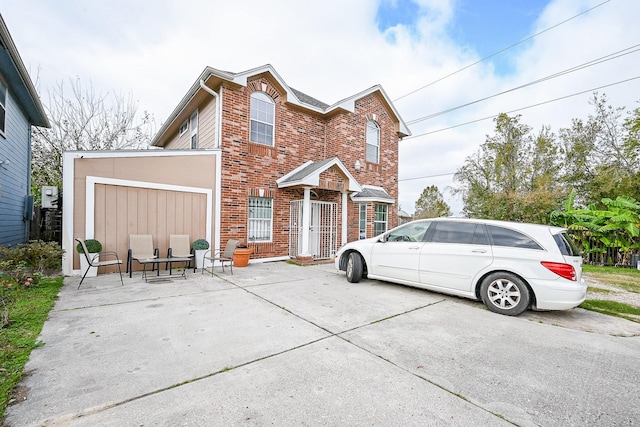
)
(280, 344)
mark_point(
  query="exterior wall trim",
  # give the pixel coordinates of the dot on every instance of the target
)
(90, 198)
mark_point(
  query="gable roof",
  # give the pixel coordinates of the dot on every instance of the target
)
(18, 80)
(308, 174)
(295, 97)
(371, 193)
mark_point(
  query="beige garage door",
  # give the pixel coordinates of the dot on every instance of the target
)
(121, 211)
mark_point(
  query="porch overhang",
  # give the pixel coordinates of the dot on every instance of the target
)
(372, 193)
(308, 175)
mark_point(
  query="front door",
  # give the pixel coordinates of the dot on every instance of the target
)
(323, 229)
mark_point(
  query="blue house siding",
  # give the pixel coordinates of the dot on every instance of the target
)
(23, 110)
(14, 176)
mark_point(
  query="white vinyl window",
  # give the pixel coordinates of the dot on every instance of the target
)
(183, 128)
(194, 129)
(262, 118)
(3, 107)
(380, 219)
(373, 142)
(363, 221)
(260, 219)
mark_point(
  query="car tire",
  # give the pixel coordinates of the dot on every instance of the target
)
(505, 293)
(354, 267)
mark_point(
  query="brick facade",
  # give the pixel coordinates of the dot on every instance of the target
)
(251, 169)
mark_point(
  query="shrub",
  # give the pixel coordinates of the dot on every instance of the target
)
(200, 244)
(22, 267)
(93, 246)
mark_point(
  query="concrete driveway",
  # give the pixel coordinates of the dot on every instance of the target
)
(280, 344)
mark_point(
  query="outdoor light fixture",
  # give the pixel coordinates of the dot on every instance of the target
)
(357, 165)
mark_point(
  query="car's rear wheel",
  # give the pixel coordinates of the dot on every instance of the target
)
(354, 267)
(505, 293)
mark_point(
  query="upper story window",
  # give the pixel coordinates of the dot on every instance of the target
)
(183, 128)
(373, 142)
(262, 118)
(3, 107)
(193, 120)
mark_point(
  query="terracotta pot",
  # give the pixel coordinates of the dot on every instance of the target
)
(241, 257)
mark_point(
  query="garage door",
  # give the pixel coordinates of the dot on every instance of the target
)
(121, 211)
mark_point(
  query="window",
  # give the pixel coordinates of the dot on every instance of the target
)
(373, 142)
(511, 238)
(260, 219)
(380, 219)
(363, 221)
(566, 244)
(3, 107)
(262, 118)
(410, 232)
(194, 129)
(183, 128)
(459, 232)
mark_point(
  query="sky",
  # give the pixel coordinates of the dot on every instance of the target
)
(420, 51)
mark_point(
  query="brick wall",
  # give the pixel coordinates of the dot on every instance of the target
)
(252, 169)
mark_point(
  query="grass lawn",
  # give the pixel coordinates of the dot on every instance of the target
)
(20, 336)
(624, 278)
(627, 279)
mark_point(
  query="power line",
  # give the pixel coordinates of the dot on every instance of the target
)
(523, 108)
(428, 176)
(497, 53)
(591, 63)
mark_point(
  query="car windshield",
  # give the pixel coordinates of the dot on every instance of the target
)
(410, 232)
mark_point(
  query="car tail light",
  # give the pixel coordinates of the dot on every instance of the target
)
(563, 270)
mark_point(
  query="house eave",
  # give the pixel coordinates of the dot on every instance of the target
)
(241, 79)
(19, 81)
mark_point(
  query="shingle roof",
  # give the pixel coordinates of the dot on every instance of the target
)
(308, 99)
(306, 171)
(372, 193)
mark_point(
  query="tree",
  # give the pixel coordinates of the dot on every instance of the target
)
(431, 204)
(513, 176)
(85, 120)
(603, 153)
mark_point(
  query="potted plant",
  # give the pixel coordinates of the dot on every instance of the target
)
(200, 246)
(94, 247)
(242, 254)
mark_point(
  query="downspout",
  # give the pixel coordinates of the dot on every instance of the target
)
(216, 143)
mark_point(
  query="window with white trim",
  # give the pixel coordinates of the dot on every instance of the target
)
(373, 142)
(380, 219)
(363, 221)
(3, 107)
(193, 120)
(262, 118)
(183, 128)
(260, 219)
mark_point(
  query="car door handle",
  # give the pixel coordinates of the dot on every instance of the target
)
(479, 251)
(414, 247)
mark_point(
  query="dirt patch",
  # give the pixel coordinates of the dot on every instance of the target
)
(606, 291)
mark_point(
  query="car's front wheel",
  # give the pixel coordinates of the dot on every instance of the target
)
(354, 267)
(505, 293)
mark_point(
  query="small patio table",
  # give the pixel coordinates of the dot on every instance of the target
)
(157, 262)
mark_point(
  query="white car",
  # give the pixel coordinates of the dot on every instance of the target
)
(509, 266)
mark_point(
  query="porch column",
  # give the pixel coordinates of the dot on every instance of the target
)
(345, 217)
(306, 222)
